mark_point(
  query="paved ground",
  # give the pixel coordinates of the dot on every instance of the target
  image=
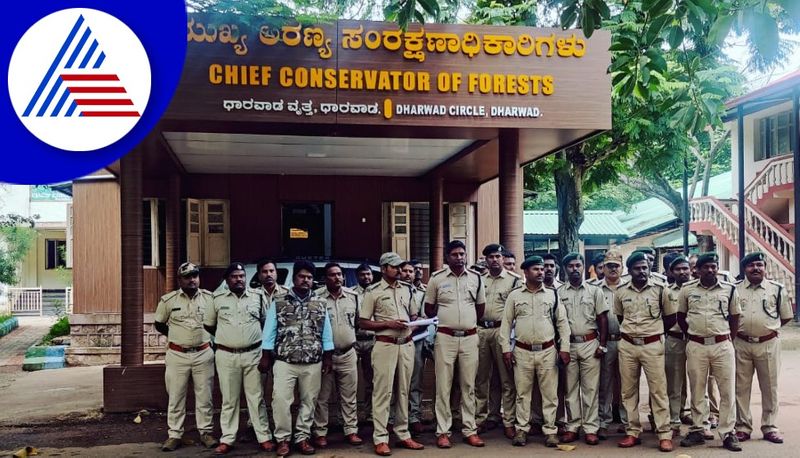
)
(13, 346)
(57, 412)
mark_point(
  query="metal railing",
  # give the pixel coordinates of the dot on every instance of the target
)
(25, 301)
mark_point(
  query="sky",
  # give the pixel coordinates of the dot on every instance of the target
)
(736, 49)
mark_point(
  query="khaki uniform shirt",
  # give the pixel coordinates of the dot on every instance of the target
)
(343, 313)
(759, 304)
(556, 284)
(384, 302)
(277, 293)
(673, 291)
(238, 319)
(707, 309)
(456, 297)
(583, 304)
(184, 316)
(608, 295)
(642, 310)
(419, 297)
(361, 292)
(530, 313)
(497, 290)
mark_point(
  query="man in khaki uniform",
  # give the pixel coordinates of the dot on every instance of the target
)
(411, 272)
(765, 308)
(235, 319)
(587, 312)
(537, 319)
(268, 279)
(643, 310)
(708, 312)
(365, 341)
(499, 283)
(551, 281)
(509, 261)
(179, 316)
(675, 345)
(342, 306)
(457, 296)
(299, 339)
(609, 364)
(387, 309)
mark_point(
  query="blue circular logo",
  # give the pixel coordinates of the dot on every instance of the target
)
(86, 83)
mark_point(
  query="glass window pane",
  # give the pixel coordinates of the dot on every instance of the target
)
(194, 228)
(194, 218)
(215, 218)
(400, 229)
(401, 210)
(400, 219)
(194, 207)
(216, 228)
(216, 208)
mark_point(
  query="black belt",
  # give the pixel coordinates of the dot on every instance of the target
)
(489, 324)
(239, 350)
(344, 350)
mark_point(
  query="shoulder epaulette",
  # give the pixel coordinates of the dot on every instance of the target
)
(320, 291)
(205, 291)
(778, 284)
(739, 282)
(514, 274)
(721, 282)
(170, 295)
(474, 271)
(221, 292)
(349, 291)
(691, 282)
(438, 272)
(372, 286)
(520, 286)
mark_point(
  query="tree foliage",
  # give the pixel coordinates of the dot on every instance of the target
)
(17, 236)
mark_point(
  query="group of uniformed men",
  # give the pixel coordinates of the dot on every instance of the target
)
(537, 355)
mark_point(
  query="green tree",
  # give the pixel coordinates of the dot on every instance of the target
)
(17, 236)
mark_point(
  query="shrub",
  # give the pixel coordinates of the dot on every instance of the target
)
(58, 329)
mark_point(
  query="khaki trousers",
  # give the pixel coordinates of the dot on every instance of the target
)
(541, 367)
(765, 360)
(180, 367)
(650, 357)
(234, 371)
(490, 361)
(717, 360)
(447, 351)
(364, 352)
(343, 378)
(391, 363)
(609, 383)
(675, 367)
(415, 390)
(583, 377)
(285, 376)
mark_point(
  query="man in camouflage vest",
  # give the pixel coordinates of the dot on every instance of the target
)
(299, 339)
(179, 316)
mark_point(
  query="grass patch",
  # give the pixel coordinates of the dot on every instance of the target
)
(58, 329)
(4, 318)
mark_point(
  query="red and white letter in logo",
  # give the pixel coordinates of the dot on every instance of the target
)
(79, 79)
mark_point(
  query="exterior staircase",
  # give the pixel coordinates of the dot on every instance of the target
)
(708, 214)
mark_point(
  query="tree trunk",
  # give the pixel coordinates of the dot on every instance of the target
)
(569, 180)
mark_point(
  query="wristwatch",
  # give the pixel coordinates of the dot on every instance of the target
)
(603, 349)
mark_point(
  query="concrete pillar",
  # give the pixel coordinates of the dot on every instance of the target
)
(130, 184)
(511, 230)
(173, 209)
(437, 222)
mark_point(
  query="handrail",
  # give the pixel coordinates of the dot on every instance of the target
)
(778, 171)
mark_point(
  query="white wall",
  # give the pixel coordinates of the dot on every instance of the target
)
(751, 167)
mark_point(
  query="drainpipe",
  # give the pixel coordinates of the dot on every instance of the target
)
(740, 161)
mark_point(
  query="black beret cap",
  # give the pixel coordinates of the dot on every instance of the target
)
(668, 258)
(571, 257)
(532, 261)
(678, 259)
(599, 258)
(705, 258)
(493, 248)
(646, 250)
(753, 257)
(635, 257)
(231, 268)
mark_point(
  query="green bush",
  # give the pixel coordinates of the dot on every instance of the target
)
(58, 329)
(4, 317)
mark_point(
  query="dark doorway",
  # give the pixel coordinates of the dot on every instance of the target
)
(307, 230)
